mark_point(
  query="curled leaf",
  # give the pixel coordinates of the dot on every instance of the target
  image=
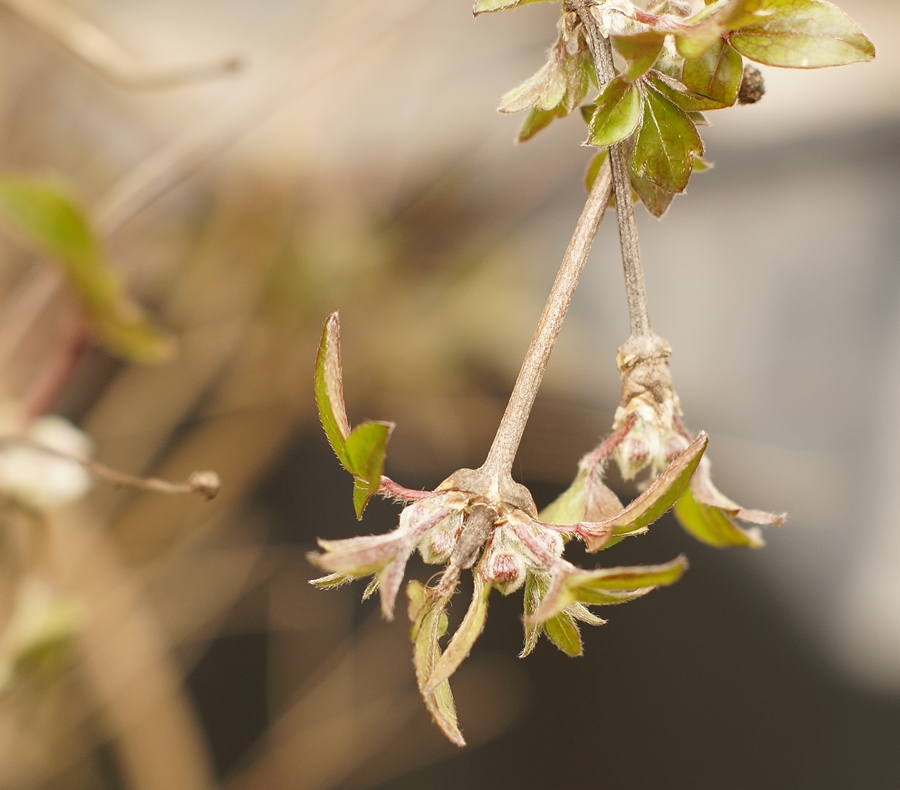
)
(709, 516)
(362, 450)
(605, 586)
(658, 497)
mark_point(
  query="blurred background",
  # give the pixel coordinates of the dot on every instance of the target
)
(355, 162)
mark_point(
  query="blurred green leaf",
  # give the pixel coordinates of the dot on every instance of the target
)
(803, 34)
(711, 526)
(717, 73)
(666, 144)
(618, 112)
(361, 451)
(640, 51)
(51, 219)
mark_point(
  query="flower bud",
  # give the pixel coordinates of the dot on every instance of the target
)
(505, 570)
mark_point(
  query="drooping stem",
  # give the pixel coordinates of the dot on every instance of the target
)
(638, 312)
(500, 459)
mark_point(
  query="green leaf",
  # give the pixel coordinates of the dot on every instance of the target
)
(658, 497)
(618, 113)
(536, 586)
(590, 177)
(536, 120)
(330, 390)
(711, 526)
(429, 624)
(640, 51)
(564, 633)
(679, 95)
(803, 34)
(717, 74)
(666, 144)
(604, 586)
(465, 637)
(51, 219)
(366, 448)
(361, 451)
(655, 198)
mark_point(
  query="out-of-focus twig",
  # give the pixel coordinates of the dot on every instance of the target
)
(93, 47)
(206, 483)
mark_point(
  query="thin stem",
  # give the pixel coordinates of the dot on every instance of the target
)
(638, 311)
(500, 459)
(205, 483)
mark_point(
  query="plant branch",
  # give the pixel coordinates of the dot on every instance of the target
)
(638, 311)
(500, 459)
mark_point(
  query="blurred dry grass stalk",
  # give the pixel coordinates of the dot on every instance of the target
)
(242, 270)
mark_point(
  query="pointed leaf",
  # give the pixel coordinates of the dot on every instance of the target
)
(465, 637)
(535, 121)
(429, 623)
(535, 589)
(52, 220)
(659, 496)
(666, 145)
(717, 73)
(365, 449)
(330, 390)
(655, 198)
(618, 113)
(641, 52)
(710, 525)
(679, 95)
(803, 34)
(332, 580)
(564, 633)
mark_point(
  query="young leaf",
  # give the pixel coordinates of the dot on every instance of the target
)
(666, 144)
(618, 113)
(659, 496)
(366, 447)
(536, 120)
(52, 220)
(717, 73)
(465, 637)
(362, 450)
(711, 526)
(641, 52)
(563, 632)
(330, 390)
(803, 34)
(655, 198)
(429, 624)
(536, 586)
(681, 97)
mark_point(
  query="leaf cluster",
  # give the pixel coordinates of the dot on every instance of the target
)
(673, 69)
